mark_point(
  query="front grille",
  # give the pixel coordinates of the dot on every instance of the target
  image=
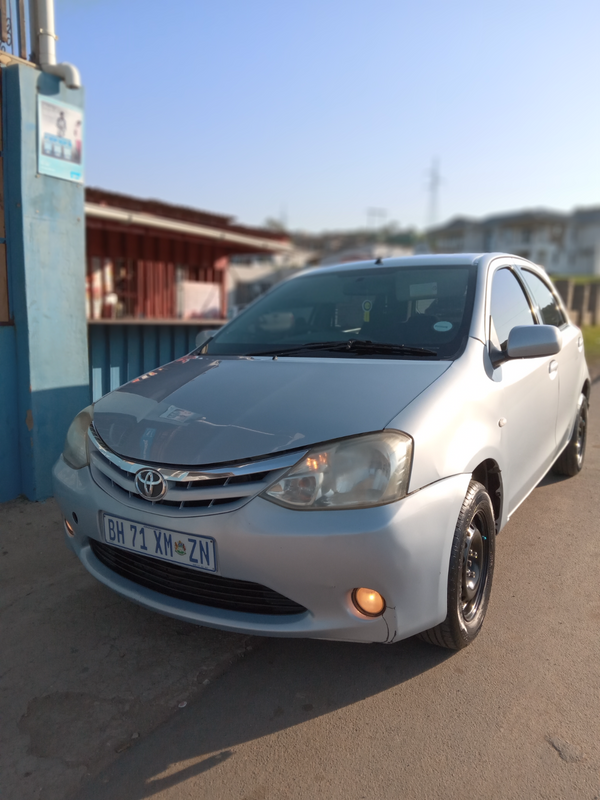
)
(190, 584)
(191, 491)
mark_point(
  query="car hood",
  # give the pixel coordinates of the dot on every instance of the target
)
(203, 410)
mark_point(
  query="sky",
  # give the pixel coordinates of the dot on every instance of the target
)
(315, 111)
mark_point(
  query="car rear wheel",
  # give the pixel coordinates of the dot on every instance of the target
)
(570, 461)
(470, 573)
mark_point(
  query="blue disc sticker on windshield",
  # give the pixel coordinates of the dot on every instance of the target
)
(442, 326)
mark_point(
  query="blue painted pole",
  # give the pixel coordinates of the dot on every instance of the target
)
(45, 237)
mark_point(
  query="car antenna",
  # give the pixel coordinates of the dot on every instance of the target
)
(378, 260)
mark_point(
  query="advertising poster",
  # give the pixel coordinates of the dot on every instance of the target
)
(60, 139)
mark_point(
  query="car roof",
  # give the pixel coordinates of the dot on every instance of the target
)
(425, 260)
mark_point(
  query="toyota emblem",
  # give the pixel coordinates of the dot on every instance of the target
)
(150, 484)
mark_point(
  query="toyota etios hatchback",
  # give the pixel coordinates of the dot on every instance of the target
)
(337, 460)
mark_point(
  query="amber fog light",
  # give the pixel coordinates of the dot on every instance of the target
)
(368, 602)
(69, 529)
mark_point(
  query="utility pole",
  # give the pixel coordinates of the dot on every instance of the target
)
(433, 184)
(376, 218)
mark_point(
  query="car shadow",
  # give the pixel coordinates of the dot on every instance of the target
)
(282, 684)
(551, 478)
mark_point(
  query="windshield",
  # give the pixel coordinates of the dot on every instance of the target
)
(409, 307)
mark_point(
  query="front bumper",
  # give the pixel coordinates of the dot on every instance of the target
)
(315, 558)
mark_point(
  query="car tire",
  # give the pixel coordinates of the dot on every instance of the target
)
(470, 572)
(570, 461)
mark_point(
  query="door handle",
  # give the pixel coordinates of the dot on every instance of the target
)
(553, 367)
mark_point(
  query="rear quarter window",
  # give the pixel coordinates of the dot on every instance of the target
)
(545, 300)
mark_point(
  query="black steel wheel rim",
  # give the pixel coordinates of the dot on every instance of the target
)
(475, 563)
(580, 441)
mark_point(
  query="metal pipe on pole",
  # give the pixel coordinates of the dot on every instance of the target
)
(43, 43)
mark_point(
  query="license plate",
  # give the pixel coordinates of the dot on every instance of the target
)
(185, 549)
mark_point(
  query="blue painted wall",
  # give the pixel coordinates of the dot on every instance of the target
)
(45, 233)
(119, 353)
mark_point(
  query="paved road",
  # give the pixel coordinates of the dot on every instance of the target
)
(516, 715)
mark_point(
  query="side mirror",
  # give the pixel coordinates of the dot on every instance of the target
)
(533, 341)
(203, 336)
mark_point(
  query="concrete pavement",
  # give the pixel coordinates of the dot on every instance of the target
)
(516, 716)
(92, 685)
(84, 674)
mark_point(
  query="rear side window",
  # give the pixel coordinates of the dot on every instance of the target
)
(548, 305)
(510, 306)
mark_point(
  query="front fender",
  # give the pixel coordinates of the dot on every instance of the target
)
(454, 423)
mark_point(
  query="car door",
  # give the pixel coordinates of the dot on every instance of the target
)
(568, 361)
(528, 393)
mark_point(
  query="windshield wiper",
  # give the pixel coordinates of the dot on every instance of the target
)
(367, 346)
(353, 346)
(299, 348)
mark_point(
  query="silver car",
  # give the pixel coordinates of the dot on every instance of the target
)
(337, 460)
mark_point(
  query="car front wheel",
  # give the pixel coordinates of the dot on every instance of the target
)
(470, 573)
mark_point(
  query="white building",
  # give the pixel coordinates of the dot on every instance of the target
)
(582, 243)
(567, 244)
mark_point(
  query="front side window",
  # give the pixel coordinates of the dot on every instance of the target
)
(550, 311)
(510, 306)
(419, 307)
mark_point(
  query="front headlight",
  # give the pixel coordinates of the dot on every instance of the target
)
(76, 452)
(364, 471)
